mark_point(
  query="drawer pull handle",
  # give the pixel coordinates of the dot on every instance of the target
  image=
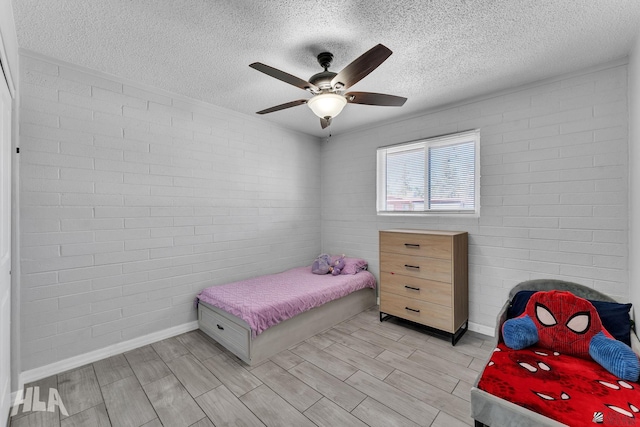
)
(220, 327)
(412, 245)
(412, 309)
(415, 267)
(411, 287)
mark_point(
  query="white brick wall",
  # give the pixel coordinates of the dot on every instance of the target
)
(634, 179)
(554, 187)
(133, 200)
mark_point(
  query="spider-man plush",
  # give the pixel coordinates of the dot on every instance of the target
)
(561, 321)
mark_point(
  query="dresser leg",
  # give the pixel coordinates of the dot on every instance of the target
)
(455, 337)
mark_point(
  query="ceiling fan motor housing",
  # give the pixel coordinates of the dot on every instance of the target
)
(323, 80)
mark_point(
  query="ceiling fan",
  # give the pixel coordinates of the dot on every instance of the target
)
(328, 87)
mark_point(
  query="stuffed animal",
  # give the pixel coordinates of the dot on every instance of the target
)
(561, 321)
(337, 266)
(322, 264)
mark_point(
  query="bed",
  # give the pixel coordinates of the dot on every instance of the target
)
(261, 316)
(560, 389)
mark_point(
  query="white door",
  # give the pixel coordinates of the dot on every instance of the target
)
(5, 249)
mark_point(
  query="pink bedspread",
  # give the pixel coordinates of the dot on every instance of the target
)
(268, 300)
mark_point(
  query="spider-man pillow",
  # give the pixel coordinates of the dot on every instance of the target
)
(563, 322)
(614, 315)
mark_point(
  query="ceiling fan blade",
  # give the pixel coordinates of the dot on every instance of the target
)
(361, 67)
(370, 98)
(285, 77)
(325, 122)
(283, 106)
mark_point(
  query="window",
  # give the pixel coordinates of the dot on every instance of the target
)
(436, 175)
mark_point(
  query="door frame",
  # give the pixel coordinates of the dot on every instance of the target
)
(7, 78)
(6, 246)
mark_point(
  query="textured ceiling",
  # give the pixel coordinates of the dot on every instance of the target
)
(444, 50)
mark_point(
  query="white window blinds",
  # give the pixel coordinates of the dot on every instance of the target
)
(434, 175)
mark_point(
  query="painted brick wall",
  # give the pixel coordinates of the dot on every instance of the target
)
(634, 175)
(554, 187)
(131, 201)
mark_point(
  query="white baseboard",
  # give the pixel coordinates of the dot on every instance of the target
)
(482, 329)
(93, 356)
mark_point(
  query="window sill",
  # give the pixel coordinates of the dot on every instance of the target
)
(454, 214)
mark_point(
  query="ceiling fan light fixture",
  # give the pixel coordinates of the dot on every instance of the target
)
(327, 104)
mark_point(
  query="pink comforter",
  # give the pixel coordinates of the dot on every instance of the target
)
(268, 300)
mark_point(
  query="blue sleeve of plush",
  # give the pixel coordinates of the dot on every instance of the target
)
(519, 333)
(615, 356)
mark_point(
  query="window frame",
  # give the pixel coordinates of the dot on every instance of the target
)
(436, 141)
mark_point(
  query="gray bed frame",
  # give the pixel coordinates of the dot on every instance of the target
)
(489, 410)
(235, 334)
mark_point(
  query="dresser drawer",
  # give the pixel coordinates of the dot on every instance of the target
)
(438, 270)
(423, 312)
(431, 246)
(226, 332)
(411, 287)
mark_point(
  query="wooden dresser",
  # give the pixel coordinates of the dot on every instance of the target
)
(424, 278)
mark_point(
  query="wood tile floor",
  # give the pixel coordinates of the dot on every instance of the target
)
(358, 373)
